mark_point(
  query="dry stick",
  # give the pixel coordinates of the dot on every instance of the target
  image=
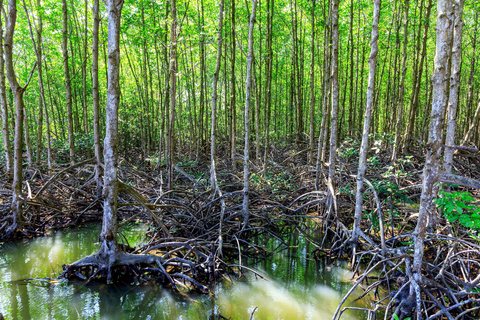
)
(362, 278)
(253, 312)
(380, 217)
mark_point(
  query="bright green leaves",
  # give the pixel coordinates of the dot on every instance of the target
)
(457, 206)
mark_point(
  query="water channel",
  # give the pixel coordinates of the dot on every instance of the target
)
(299, 287)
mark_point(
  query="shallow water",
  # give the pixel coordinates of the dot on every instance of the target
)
(298, 288)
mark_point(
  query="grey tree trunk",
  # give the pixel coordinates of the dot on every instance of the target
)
(96, 117)
(213, 174)
(401, 94)
(28, 144)
(68, 89)
(440, 79)
(18, 91)
(456, 62)
(416, 89)
(37, 45)
(268, 96)
(3, 102)
(173, 87)
(110, 153)
(334, 113)
(312, 86)
(233, 84)
(248, 83)
(362, 165)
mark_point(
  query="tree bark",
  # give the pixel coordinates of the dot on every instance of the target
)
(95, 93)
(68, 88)
(3, 102)
(173, 84)
(248, 84)
(110, 153)
(213, 174)
(434, 145)
(268, 96)
(18, 91)
(416, 90)
(334, 113)
(456, 61)
(362, 165)
(312, 86)
(401, 94)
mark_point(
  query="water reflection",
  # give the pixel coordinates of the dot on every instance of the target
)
(300, 288)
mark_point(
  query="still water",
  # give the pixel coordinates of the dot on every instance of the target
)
(299, 288)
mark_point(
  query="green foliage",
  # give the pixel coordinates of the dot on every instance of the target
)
(457, 206)
(395, 317)
(373, 161)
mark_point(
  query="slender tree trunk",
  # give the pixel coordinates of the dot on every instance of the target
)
(68, 89)
(401, 95)
(312, 86)
(351, 107)
(440, 79)
(233, 84)
(95, 93)
(362, 165)
(454, 85)
(473, 124)
(84, 70)
(173, 84)
(416, 89)
(268, 96)
(3, 102)
(28, 143)
(334, 113)
(322, 137)
(108, 235)
(18, 91)
(248, 84)
(213, 174)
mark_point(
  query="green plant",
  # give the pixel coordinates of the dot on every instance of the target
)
(373, 161)
(458, 206)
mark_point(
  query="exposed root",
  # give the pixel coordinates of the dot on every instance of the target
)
(111, 264)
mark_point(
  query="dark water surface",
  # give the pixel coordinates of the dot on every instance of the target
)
(299, 288)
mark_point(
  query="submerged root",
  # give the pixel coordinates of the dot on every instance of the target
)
(111, 264)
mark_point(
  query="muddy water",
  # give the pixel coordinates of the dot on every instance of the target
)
(298, 288)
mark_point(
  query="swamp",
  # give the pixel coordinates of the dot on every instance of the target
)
(225, 159)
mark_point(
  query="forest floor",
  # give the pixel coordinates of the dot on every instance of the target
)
(283, 195)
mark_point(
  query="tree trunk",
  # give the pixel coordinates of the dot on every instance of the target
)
(108, 235)
(68, 89)
(3, 102)
(454, 85)
(173, 83)
(440, 81)
(95, 93)
(334, 113)
(416, 89)
(28, 143)
(213, 174)
(18, 91)
(401, 94)
(268, 96)
(362, 165)
(312, 86)
(233, 84)
(248, 84)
